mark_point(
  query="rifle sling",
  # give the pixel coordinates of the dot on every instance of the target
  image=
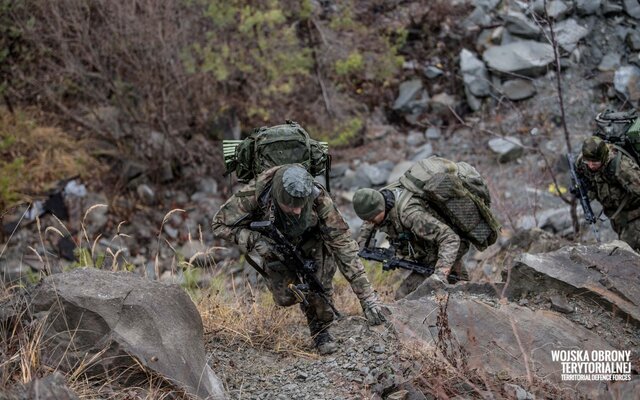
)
(255, 266)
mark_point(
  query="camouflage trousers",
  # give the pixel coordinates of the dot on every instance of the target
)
(414, 279)
(318, 313)
(629, 232)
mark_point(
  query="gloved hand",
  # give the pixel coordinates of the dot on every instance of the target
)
(374, 310)
(247, 239)
(436, 281)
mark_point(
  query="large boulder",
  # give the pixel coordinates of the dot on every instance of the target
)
(607, 274)
(525, 57)
(502, 338)
(110, 317)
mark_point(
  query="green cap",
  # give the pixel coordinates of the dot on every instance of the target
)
(292, 186)
(595, 149)
(368, 203)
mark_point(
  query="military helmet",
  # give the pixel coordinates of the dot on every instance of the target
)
(367, 203)
(292, 186)
(595, 149)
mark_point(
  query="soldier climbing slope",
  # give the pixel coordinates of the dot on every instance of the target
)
(613, 178)
(304, 213)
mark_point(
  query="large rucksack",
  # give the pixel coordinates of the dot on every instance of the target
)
(268, 147)
(458, 194)
(621, 129)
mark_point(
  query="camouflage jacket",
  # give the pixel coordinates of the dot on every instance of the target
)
(329, 229)
(420, 234)
(616, 183)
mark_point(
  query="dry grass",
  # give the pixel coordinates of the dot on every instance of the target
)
(49, 153)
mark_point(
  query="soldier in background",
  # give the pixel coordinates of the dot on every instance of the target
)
(304, 212)
(613, 178)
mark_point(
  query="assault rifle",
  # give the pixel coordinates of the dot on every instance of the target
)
(579, 189)
(387, 256)
(304, 268)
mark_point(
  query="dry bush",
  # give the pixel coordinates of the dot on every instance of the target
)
(120, 69)
(241, 320)
(49, 154)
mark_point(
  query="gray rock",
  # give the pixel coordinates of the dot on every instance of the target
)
(487, 4)
(52, 387)
(610, 7)
(569, 33)
(518, 24)
(146, 194)
(610, 62)
(535, 328)
(399, 395)
(632, 7)
(156, 323)
(474, 74)
(633, 40)
(607, 274)
(555, 220)
(374, 174)
(338, 169)
(170, 231)
(627, 82)
(561, 304)
(353, 180)
(556, 9)
(518, 89)
(478, 17)
(207, 185)
(432, 72)
(442, 102)
(517, 393)
(409, 91)
(433, 133)
(415, 138)
(385, 164)
(398, 171)
(507, 149)
(525, 57)
(423, 152)
(588, 7)
(475, 103)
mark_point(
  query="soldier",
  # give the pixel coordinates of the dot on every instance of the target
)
(304, 212)
(422, 235)
(613, 178)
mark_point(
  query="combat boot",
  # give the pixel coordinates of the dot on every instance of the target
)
(325, 344)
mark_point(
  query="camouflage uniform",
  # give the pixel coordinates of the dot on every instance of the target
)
(421, 236)
(327, 241)
(616, 185)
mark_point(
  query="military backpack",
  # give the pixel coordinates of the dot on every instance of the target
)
(268, 147)
(458, 193)
(621, 129)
